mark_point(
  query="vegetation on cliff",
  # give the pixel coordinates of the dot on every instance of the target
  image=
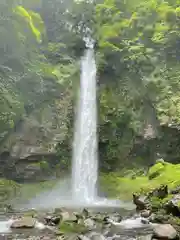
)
(137, 55)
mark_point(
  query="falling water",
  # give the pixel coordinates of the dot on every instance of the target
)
(85, 157)
(85, 162)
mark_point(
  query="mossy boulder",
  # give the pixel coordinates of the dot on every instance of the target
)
(71, 227)
(156, 170)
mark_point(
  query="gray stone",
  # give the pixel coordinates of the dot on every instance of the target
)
(52, 220)
(83, 237)
(139, 202)
(145, 237)
(145, 213)
(68, 216)
(89, 223)
(173, 205)
(164, 231)
(24, 222)
(97, 237)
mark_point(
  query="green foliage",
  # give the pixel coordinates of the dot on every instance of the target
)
(28, 76)
(123, 187)
(138, 45)
(8, 190)
(137, 53)
(29, 17)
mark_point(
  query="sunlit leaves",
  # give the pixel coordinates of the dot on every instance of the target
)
(32, 19)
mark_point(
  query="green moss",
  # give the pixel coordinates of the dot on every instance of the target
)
(8, 189)
(65, 227)
(123, 187)
(158, 203)
(156, 170)
(44, 165)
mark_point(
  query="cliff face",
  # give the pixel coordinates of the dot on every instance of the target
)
(30, 148)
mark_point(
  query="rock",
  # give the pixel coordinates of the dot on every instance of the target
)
(159, 217)
(145, 221)
(173, 206)
(160, 192)
(52, 221)
(48, 219)
(145, 213)
(67, 216)
(72, 227)
(82, 237)
(99, 217)
(140, 204)
(24, 222)
(34, 137)
(164, 231)
(115, 217)
(89, 223)
(145, 237)
(98, 237)
(175, 191)
(95, 236)
(85, 213)
(56, 220)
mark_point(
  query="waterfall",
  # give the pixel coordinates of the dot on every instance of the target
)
(83, 189)
(85, 157)
(85, 160)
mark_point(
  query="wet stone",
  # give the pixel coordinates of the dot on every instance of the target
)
(24, 222)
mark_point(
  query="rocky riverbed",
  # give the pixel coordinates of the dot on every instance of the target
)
(148, 221)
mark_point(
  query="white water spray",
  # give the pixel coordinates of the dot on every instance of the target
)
(85, 162)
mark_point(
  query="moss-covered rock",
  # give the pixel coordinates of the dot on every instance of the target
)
(156, 170)
(163, 173)
(69, 227)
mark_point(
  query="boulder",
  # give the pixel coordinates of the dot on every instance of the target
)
(85, 213)
(115, 217)
(140, 203)
(24, 222)
(52, 221)
(98, 237)
(68, 216)
(82, 237)
(145, 213)
(160, 192)
(159, 217)
(145, 237)
(144, 221)
(89, 223)
(99, 217)
(164, 231)
(173, 206)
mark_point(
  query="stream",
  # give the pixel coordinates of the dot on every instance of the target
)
(100, 224)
